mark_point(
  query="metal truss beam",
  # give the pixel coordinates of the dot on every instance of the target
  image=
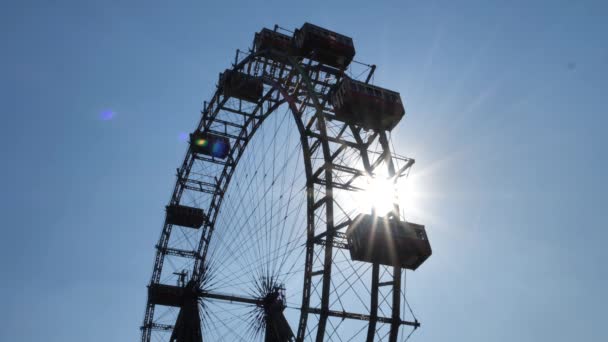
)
(178, 252)
(231, 298)
(332, 139)
(158, 327)
(351, 315)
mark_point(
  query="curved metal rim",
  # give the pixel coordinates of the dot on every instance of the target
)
(207, 235)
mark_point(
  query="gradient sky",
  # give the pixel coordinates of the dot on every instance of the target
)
(506, 104)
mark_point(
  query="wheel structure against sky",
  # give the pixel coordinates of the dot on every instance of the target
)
(269, 259)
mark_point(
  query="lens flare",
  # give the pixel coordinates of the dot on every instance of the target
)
(219, 149)
(107, 115)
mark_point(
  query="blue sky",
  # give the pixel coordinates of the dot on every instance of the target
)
(506, 120)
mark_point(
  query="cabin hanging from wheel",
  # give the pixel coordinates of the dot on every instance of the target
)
(184, 216)
(272, 41)
(368, 106)
(241, 86)
(210, 144)
(324, 46)
(388, 241)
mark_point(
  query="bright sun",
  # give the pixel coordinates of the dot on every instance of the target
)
(379, 195)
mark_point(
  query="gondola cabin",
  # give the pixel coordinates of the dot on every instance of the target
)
(210, 144)
(184, 216)
(366, 105)
(241, 86)
(167, 295)
(324, 46)
(388, 241)
(269, 41)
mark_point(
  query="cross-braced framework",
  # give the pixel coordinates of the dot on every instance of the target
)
(270, 261)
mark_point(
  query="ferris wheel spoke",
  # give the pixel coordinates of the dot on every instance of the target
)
(287, 244)
(241, 204)
(222, 327)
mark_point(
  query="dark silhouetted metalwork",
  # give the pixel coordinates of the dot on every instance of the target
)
(259, 247)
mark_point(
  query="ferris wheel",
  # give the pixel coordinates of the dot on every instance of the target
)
(283, 223)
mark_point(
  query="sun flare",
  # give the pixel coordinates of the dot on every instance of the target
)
(379, 196)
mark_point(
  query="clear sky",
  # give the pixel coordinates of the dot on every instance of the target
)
(506, 104)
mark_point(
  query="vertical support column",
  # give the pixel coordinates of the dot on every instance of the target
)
(396, 314)
(188, 325)
(371, 329)
(396, 305)
(327, 263)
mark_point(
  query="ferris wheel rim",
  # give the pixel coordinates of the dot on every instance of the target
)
(306, 149)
